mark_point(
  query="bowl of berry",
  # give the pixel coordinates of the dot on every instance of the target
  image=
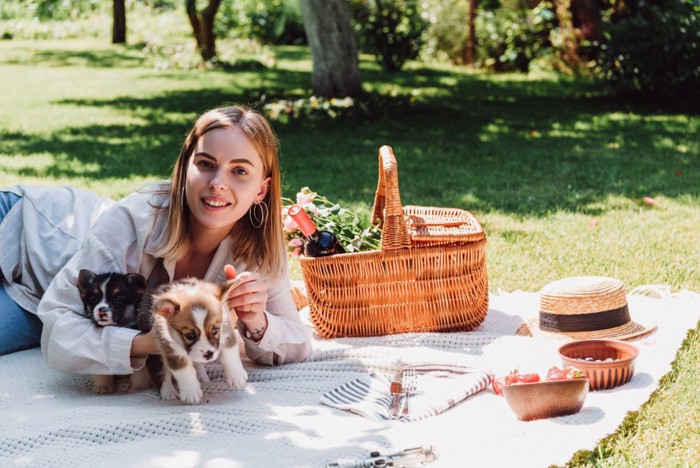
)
(606, 363)
(561, 393)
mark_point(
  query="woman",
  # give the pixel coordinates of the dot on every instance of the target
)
(221, 207)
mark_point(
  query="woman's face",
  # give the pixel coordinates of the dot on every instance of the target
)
(224, 178)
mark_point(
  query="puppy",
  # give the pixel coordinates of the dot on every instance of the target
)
(193, 327)
(113, 299)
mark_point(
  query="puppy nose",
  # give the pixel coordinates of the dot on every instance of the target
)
(103, 310)
(208, 355)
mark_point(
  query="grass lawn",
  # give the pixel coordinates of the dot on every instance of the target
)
(556, 172)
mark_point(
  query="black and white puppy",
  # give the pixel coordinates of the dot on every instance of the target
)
(193, 328)
(113, 299)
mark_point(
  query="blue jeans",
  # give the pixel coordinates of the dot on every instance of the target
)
(19, 329)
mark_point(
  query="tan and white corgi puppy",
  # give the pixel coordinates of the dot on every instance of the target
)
(193, 328)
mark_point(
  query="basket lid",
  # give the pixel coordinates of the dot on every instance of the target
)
(448, 225)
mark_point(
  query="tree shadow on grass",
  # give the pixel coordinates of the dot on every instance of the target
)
(98, 58)
(519, 147)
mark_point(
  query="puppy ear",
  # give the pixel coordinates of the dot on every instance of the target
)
(225, 286)
(85, 278)
(136, 281)
(166, 308)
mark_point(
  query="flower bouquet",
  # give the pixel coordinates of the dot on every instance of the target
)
(348, 227)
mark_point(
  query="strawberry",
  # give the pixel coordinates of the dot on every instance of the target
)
(230, 271)
(556, 373)
(497, 384)
(515, 377)
(529, 378)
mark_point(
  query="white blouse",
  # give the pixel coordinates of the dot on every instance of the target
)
(51, 223)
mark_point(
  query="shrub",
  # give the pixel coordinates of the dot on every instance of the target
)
(446, 31)
(391, 29)
(654, 49)
(267, 21)
(510, 39)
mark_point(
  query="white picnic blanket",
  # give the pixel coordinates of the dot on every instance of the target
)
(50, 418)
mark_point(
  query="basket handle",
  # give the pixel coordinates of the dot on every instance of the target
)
(387, 211)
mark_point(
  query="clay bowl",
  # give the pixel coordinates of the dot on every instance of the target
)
(589, 356)
(546, 399)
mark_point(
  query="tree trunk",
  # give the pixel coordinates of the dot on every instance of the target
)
(570, 42)
(119, 22)
(336, 68)
(203, 27)
(470, 46)
(586, 15)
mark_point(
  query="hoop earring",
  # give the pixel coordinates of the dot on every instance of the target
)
(258, 214)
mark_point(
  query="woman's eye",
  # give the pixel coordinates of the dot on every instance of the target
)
(240, 171)
(205, 164)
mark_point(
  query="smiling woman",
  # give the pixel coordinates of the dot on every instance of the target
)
(213, 213)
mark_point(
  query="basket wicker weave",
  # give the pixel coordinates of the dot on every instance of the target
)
(429, 275)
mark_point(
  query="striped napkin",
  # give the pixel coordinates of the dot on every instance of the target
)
(440, 387)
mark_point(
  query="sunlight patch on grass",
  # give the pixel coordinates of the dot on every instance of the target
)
(535, 252)
(44, 165)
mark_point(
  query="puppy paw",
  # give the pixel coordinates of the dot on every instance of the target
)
(237, 379)
(139, 380)
(168, 391)
(190, 393)
(103, 384)
(234, 372)
(202, 375)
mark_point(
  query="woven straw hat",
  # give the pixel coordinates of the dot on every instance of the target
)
(585, 307)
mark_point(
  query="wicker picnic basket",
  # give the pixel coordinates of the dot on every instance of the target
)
(428, 276)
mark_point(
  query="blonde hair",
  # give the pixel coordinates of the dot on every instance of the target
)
(261, 247)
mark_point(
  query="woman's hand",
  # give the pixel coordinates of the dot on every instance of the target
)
(144, 344)
(247, 297)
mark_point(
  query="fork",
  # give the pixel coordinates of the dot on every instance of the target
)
(409, 384)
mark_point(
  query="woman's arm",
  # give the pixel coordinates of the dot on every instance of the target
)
(144, 344)
(286, 339)
(71, 341)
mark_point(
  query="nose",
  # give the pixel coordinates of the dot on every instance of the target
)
(208, 355)
(216, 182)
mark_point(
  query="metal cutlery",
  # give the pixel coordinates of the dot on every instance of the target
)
(409, 383)
(396, 390)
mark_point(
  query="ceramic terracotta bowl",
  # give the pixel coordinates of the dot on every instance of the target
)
(606, 363)
(547, 399)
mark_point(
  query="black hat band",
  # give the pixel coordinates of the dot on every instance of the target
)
(584, 322)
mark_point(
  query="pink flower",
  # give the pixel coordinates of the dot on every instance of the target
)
(289, 223)
(648, 201)
(592, 224)
(294, 246)
(306, 197)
